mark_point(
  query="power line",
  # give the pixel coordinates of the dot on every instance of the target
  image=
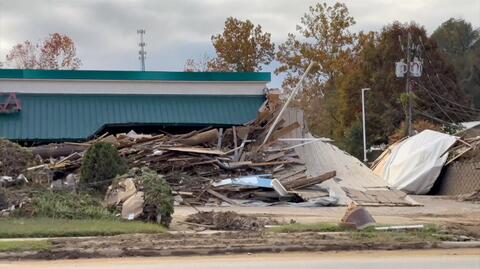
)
(440, 107)
(449, 111)
(441, 82)
(473, 110)
(434, 70)
(433, 117)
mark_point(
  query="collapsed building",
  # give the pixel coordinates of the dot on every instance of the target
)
(218, 138)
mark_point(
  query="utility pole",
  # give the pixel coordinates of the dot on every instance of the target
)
(142, 51)
(412, 68)
(365, 159)
(407, 86)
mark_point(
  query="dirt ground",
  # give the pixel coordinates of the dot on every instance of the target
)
(193, 244)
(184, 240)
(435, 209)
(359, 259)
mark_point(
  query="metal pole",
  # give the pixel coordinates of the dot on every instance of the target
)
(294, 92)
(407, 87)
(364, 130)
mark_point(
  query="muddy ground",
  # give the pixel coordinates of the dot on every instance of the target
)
(460, 218)
(189, 244)
(435, 210)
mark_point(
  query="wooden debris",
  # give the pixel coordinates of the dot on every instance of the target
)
(302, 183)
(204, 137)
(222, 197)
(192, 161)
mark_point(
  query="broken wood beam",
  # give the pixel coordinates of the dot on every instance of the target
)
(302, 183)
(269, 163)
(223, 197)
(209, 136)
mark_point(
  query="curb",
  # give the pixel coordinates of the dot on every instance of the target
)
(149, 252)
(455, 244)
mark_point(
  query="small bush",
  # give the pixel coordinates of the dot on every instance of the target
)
(158, 196)
(100, 165)
(66, 205)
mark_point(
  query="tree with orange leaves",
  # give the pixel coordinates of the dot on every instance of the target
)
(242, 47)
(56, 52)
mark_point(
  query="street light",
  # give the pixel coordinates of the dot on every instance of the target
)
(364, 130)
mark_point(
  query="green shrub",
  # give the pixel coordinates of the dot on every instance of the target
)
(66, 205)
(158, 196)
(100, 165)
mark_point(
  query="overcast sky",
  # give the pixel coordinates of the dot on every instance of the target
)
(106, 38)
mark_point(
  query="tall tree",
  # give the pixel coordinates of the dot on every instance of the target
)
(55, 52)
(461, 44)
(242, 47)
(373, 67)
(325, 38)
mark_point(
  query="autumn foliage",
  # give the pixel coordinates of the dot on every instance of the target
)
(346, 62)
(242, 47)
(56, 52)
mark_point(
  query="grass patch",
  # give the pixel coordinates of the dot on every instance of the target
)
(47, 227)
(28, 245)
(314, 227)
(429, 233)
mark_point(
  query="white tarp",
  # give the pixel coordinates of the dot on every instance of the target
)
(415, 163)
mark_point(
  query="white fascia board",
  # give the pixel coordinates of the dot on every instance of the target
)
(131, 87)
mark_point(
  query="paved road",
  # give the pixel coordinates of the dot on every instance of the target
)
(437, 259)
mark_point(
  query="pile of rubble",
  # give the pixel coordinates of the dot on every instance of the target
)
(210, 166)
(228, 221)
(141, 194)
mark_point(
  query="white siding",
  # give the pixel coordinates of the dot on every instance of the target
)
(130, 87)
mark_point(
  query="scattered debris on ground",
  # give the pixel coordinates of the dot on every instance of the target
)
(229, 220)
(141, 194)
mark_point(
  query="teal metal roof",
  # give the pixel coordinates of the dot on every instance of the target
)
(77, 117)
(134, 75)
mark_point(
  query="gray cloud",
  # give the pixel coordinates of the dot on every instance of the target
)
(105, 31)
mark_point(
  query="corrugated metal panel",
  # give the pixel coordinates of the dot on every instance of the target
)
(74, 117)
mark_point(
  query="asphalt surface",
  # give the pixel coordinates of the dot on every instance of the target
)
(438, 259)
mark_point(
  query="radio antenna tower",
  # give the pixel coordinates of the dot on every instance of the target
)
(142, 51)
